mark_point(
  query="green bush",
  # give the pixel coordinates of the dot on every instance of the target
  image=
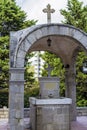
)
(30, 92)
(82, 103)
(3, 98)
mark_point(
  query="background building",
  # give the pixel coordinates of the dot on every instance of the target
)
(37, 63)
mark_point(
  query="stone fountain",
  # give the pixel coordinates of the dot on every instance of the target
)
(50, 111)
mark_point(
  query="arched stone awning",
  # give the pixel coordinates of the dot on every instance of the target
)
(65, 40)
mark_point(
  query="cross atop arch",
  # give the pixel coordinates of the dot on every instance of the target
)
(48, 10)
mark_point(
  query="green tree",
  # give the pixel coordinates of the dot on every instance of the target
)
(4, 62)
(31, 85)
(12, 18)
(76, 14)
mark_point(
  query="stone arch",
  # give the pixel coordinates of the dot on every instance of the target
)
(31, 35)
(66, 40)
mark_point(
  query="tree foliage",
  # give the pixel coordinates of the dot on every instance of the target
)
(31, 92)
(12, 18)
(76, 14)
(4, 62)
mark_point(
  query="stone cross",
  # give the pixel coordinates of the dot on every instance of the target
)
(48, 10)
(49, 69)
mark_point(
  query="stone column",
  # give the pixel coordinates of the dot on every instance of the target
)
(70, 76)
(16, 99)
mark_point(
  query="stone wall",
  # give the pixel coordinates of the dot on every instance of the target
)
(26, 112)
(51, 117)
(4, 112)
(81, 111)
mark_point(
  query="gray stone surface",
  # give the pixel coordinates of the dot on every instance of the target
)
(16, 96)
(49, 87)
(47, 114)
(37, 32)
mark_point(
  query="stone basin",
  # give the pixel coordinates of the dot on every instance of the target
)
(50, 114)
(51, 101)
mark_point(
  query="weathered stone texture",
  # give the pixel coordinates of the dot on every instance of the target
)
(38, 34)
(50, 116)
(49, 87)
